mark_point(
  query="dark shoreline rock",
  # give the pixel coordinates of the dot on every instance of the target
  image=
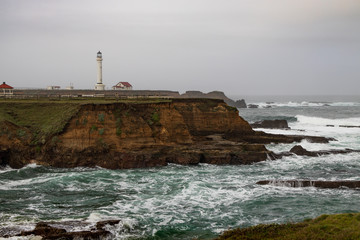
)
(47, 231)
(309, 183)
(277, 124)
(252, 106)
(261, 137)
(240, 103)
(300, 151)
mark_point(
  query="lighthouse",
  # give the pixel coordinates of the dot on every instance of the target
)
(99, 85)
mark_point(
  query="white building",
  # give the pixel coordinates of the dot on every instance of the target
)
(6, 89)
(53, 87)
(122, 86)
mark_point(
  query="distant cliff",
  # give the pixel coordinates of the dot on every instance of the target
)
(215, 95)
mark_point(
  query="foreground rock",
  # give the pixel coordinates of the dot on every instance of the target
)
(279, 124)
(308, 183)
(47, 231)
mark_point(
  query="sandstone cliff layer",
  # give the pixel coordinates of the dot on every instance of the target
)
(130, 134)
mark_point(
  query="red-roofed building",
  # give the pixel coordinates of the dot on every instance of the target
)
(6, 89)
(122, 86)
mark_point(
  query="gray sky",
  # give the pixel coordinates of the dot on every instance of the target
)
(241, 47)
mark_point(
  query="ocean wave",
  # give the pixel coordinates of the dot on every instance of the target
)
(319, 121)
(305, 104)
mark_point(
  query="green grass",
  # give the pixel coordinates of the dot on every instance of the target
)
(88, 100)
(327, 227)
(46, 117)
(42, 119)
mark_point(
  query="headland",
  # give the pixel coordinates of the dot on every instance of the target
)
(130, 133)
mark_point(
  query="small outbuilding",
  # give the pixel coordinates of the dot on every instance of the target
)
(122, 86)
(53, 87)
(6, 89)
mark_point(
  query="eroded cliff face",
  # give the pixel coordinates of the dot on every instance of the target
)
(132, 126)
(132, 135)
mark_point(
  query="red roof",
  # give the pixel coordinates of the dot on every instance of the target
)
(4, 85)
(125, 84)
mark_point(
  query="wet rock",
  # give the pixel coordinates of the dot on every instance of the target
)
(279, 124)
(253, 106)
(266, 138)
(349, 126)
(240, 104)
(300, 151)
(343, 126)
(100, 225)
(43, 229)
(48, 231)
(4, 157)
(309, 183)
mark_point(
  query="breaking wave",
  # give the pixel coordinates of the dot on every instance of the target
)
(305, 104)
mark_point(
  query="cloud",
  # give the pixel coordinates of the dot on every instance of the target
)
(238, 46)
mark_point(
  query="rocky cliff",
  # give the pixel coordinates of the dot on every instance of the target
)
(215, 95)
(129, 134)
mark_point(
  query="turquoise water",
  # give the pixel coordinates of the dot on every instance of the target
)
(187, 202)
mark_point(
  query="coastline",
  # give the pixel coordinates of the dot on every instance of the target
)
(238, 177)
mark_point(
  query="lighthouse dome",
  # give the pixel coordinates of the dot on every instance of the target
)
(99, 54)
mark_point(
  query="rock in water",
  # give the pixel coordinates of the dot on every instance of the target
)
(281, 124)
(253, 106)
(300, 151)
(309, 183)
(46, 231)
(240, 104)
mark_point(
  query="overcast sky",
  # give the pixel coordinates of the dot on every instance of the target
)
(242, 47)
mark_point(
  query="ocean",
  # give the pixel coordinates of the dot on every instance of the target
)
(187, 202)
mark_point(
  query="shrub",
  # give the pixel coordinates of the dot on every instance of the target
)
(118, 122)
(101, 117)
(93, 128)
(231, 109)
(20, 133)
(118, 131)
(155, 117)
(85, 121)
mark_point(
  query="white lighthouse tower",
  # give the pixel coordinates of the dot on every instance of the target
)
(99, 85)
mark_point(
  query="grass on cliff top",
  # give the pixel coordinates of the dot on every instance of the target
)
(326, 227)
(87, 100)
(41, 119)
(46, 117)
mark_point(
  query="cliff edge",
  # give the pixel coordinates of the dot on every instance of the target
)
(124, 134)
(128, 134)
